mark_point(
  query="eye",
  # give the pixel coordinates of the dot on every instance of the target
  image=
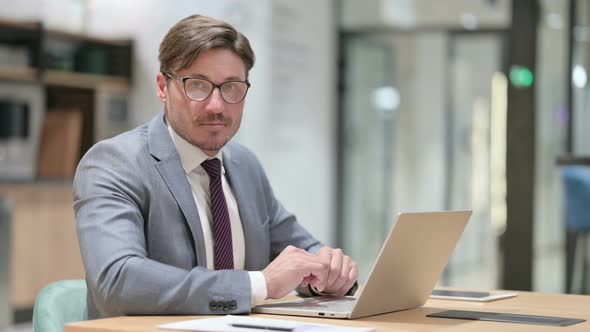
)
(196, 84)
(229, 86)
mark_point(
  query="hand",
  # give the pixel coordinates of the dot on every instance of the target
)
(342, 275)
(291, 268)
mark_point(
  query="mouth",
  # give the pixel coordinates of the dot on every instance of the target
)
(213, 124)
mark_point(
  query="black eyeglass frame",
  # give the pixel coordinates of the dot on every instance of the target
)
(218, 86)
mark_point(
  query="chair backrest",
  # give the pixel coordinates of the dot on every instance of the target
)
(576, 180)
(59, 303)
(5, 245)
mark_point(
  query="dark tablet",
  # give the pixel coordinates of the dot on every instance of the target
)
(506, 318)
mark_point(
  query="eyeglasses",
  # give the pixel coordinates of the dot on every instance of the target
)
(199, 89)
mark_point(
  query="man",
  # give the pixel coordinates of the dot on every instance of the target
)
(173, 218)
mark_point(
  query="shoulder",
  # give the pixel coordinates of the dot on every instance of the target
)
(124, 150)
(115, 162)
(241, 155)
(245, 168)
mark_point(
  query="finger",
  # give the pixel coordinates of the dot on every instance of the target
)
(325, 251)
(352, 278)
(318, 273)
(342, 277)
(305, 281)
(354, 272)
(335, 267)
(290, 250)
(325, 255)
(344, 289)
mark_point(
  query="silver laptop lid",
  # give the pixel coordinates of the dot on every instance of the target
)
(410, 262)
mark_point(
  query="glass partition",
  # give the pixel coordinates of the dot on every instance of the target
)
(416, 136)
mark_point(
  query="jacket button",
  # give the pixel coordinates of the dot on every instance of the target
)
(212, 305)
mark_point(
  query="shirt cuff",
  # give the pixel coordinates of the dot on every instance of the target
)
(258, 286)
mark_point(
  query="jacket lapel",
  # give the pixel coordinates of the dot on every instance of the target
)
(254, 233)
(168, 164)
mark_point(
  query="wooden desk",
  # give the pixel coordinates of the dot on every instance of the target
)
(573, 306)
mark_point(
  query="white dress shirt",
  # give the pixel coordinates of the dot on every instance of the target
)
(191, 158)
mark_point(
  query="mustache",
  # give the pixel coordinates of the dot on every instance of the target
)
(211, 117)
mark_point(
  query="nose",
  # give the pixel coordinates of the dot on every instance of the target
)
(215, 102)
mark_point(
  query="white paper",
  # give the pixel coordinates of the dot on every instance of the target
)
(223, 324)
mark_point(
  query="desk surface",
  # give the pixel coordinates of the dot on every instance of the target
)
(572, 306)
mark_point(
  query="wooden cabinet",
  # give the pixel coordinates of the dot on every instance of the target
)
(44, 242)
(69, 72)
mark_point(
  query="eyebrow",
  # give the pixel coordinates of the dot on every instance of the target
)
(231, 78)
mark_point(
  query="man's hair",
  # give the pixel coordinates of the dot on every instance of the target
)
(196, 34)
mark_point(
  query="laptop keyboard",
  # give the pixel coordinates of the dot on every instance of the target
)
(321, 303)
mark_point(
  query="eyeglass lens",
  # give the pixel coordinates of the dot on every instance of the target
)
(232, 92)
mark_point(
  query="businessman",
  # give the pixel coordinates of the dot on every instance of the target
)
(174, 218)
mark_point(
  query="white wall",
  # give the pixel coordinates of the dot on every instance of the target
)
(21, 10)
(289, 118)
(551, 96)
(300, 142)
(412, 13)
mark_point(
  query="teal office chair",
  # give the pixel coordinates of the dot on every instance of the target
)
(5, 241)
(59, 303)
(576, 180)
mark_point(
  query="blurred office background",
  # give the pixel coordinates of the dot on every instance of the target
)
(358, 110)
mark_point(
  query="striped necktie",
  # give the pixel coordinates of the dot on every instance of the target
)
(223, 248)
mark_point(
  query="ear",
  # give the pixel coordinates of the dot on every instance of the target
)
(162, 87)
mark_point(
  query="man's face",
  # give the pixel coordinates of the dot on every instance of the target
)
(211, 123)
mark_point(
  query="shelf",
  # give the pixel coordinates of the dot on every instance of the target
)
(570, 160)
(24, 25)
(22, 74)
(59, 34)
(98, 62)
(63, 78)
(81, 80)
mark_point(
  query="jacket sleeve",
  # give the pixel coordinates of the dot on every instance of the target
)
(109, 204)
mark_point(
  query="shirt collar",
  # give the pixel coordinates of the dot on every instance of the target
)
(191, 156)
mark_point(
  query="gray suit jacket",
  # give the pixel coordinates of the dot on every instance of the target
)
(140, 235)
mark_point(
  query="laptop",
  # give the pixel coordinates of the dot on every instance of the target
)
(407, 268)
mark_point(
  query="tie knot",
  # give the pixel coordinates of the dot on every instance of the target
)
(212, 167)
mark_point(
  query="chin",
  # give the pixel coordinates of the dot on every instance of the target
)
(209, 146)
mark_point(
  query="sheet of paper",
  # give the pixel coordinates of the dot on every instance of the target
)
(224, 324)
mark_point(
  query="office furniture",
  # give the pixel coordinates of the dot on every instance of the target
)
(44, 242)
(575, 177)
(59, 303)
(67, 72)
(576, 181)
(5, 250)
(59, 153)
(575, 306)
